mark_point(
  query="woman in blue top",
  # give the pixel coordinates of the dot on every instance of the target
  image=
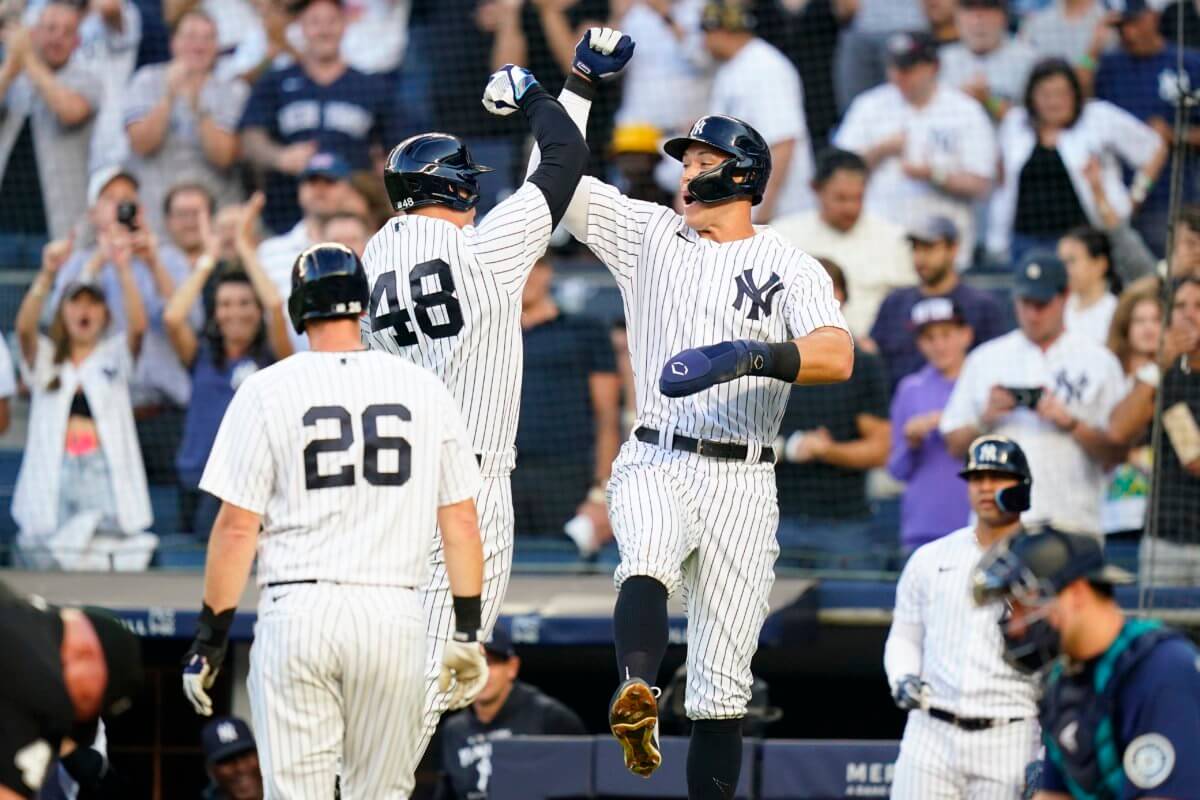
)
(247, 331)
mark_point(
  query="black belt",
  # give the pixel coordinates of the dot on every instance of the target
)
(290, 583)
(704, 447)
(972, 723)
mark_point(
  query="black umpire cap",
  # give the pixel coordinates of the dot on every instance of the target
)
(1032, 566)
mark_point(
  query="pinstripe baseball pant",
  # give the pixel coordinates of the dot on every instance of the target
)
(939, 761)
(706, 526)
(335, 678)
(494, 504)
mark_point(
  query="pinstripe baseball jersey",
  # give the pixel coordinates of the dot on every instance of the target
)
(681, 290)
(347, 456)
(449, 299)
(960, 643)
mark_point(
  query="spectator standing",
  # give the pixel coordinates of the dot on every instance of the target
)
(919, 456)
(505, 708)
(988, 63)
(1172, 556)
(831, 436)
(943, 21)
(231, 760)
(759, 85)
(1047, 149)
(934, 251)
(376, 34)
(873, 251)
(569, 429)
(931, 148)
(1075, 31)
(1092, 283)
(82, 471)
(1143, 77)
(859, 63)
(181, 120)
(1136, 331)
(348, 229)
(187, 211)
(247, 331)
(159, 388)
(239, 23)
(636, 156)
(1049, 390)
(50, 101)
(318, 104)
(667, 84)
(8, 385)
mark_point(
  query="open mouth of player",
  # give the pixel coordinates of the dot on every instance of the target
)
(688, 199)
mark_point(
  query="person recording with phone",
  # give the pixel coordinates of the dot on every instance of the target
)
(160, 388)
(1048, 389)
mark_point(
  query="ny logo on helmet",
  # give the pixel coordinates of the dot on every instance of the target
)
(698, 128)
(991, 454)
(760, 298)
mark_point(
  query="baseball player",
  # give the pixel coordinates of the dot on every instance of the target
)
(1120, 706)
(972, 724)
(350, 460)
(722, 318)
(446, 294)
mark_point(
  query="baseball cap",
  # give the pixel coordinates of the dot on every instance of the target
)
(122, 655)
(1043, 563)
(636, 137)
(934, 229)
(76, 288)
(726, 15)
(905, 50)
(326, 165)
(1132, 10)
(1040, 276)
(500, 643)
(934, 309)
(224, 738)
(101, 178)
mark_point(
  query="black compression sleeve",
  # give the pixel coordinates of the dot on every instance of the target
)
(564, 151)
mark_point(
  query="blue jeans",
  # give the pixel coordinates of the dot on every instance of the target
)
(86, 485)
(834, 543)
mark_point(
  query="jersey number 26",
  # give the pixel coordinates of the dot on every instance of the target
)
(372, 444)
(398, 318)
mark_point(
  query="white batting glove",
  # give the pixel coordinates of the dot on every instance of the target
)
(505, 88)
(198, 678)
(464, 667)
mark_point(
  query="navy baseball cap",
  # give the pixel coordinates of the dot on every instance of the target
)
(1132, 10)
(326, 165)
(906, 50)
(500, 643)
(1040, 276)
(224, 738)
(934, 309)
(934, 229)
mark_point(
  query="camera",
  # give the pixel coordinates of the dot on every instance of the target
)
(1027, 396)
(127, 214)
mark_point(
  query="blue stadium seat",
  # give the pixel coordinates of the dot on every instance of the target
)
(541, 767)
(795, 770)
(670, 781)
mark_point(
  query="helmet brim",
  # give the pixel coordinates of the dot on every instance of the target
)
(676, 147)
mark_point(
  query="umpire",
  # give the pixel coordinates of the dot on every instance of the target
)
(1120, 712)
(61, 670)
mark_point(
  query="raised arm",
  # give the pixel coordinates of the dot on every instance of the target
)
(131, 298)
(264, 287)
(175, 315)
(54, 255)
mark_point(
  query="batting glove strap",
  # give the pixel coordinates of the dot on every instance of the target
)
(468, 618)
(212, 628)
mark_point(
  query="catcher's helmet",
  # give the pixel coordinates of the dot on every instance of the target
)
(328, 281)
(750, 159)
(1001, 454)
(432, 168)
(1037, 565)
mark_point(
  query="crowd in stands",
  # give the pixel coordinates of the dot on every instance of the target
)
(163, 166)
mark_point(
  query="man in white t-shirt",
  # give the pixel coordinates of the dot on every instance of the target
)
(667, 84)
(988, 63)
(931, 148)
(874, 253)
(759, 85)
(1051, 391)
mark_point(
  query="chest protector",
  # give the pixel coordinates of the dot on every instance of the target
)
(1077, 715)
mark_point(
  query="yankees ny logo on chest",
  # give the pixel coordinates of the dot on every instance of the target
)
(760, 297)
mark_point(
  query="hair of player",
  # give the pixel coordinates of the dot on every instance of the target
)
(189, 186)
(832, 160)
(1044, 70)
(836, 274)
(1122, 320)
(1098, 245)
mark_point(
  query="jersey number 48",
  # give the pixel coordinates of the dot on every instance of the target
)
(397, 318)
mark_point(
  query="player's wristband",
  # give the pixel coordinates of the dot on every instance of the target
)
(468, 618)
(213, 628)
(779, 360)
(580, 86)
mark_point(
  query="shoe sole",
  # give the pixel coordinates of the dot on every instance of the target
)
(632, 720)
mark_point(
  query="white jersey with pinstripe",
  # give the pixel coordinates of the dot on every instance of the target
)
(703, 525)
(449, 299)
(347, 456)
(956, 649)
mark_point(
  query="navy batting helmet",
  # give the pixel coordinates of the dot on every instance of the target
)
(744, 174)
(328, 281)
(432, 168)
(1001, 454)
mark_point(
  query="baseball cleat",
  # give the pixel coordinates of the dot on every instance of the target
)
(633, 718)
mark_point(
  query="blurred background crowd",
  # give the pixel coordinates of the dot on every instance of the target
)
(1001, 192)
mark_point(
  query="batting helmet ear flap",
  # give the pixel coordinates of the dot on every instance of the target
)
(1014, 499)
